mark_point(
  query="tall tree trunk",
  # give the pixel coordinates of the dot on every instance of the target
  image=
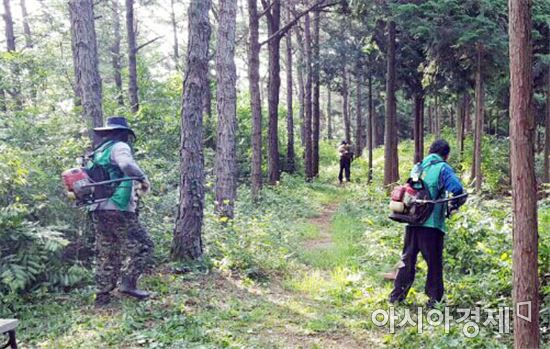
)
(308, 101)
(369, 130)
(301, 86)
(460, 124)
(437, 119)
(359, 117)
(524, 186)
(115, 53)
(8, 20)
(132, 58)
(290, 155)
(76, 69)
(273, 24)
(430, 120)
(391, 165)
(10, 45)
(226, 148)
(26, 25)
(255, 99)
(329, 114)
(418, 127)
(479, 120)
(86, 60)
(3, 106)
(547, 132)
(345, 104)
(316, 118)
(187, 242)
(175, 34)
(208, 119)
(467, 113)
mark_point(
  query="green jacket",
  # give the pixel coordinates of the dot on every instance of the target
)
(433, 165)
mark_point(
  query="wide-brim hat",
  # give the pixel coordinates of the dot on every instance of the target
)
(115, 123)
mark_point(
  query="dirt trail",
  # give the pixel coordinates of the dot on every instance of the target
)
(323, 221)
(338, 338)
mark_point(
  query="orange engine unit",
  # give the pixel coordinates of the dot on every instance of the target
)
(73, 176)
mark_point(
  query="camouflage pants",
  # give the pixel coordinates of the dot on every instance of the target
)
(120, 239)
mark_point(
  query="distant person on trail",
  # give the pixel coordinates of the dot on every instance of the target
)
(428, 238)
(345, 150)
(119, 234)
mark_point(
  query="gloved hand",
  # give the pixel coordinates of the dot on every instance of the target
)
(144, 187)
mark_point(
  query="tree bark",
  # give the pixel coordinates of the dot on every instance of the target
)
(26, 25)
(255, 98)
(418, 128)
(345, 104)
(430, 120)
(524, 186)
(460, 124)
(359, 145)
(467, 116)
(86, 64)
(308, 100)
(391, 165)
(301, 86)
(8, 20)
(290, 155)
(316, 117)
(132, 58)
(370, 135)
(115, 53)
(547, 131)
(207, 113)
(273, 16)
(15, 92)
(461, 121)
(187, 243)
(175, 34)
(437, 119)
(480, 110)
(226, 148)
(329, 114)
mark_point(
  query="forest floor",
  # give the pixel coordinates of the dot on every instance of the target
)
(301, 309)
(301, 270)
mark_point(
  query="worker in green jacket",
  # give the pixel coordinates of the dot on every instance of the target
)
(119, 234)
(428, 238)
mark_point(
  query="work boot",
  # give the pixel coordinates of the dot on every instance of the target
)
(128, 287)
(102, 300)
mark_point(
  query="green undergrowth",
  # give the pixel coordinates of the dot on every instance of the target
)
(301, 268)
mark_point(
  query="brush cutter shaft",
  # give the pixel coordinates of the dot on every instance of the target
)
(441, 200)
(96, 184)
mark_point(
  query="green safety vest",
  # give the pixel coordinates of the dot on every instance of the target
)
(123, 192)
(432, 166)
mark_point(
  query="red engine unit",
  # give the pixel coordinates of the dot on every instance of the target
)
(72, 176)
(398, 193)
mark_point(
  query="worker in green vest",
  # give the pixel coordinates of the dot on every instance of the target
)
(428, 238)
(119, 234)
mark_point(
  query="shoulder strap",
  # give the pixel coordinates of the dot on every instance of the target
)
(432, 163)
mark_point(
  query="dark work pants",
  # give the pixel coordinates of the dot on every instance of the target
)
(345, 166)
(429, 242)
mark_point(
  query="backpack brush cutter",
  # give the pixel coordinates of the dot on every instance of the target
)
(412, 206)
(81, 188)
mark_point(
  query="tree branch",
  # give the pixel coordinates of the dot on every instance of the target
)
(266, 10)
(315, 7)
(148, 42)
